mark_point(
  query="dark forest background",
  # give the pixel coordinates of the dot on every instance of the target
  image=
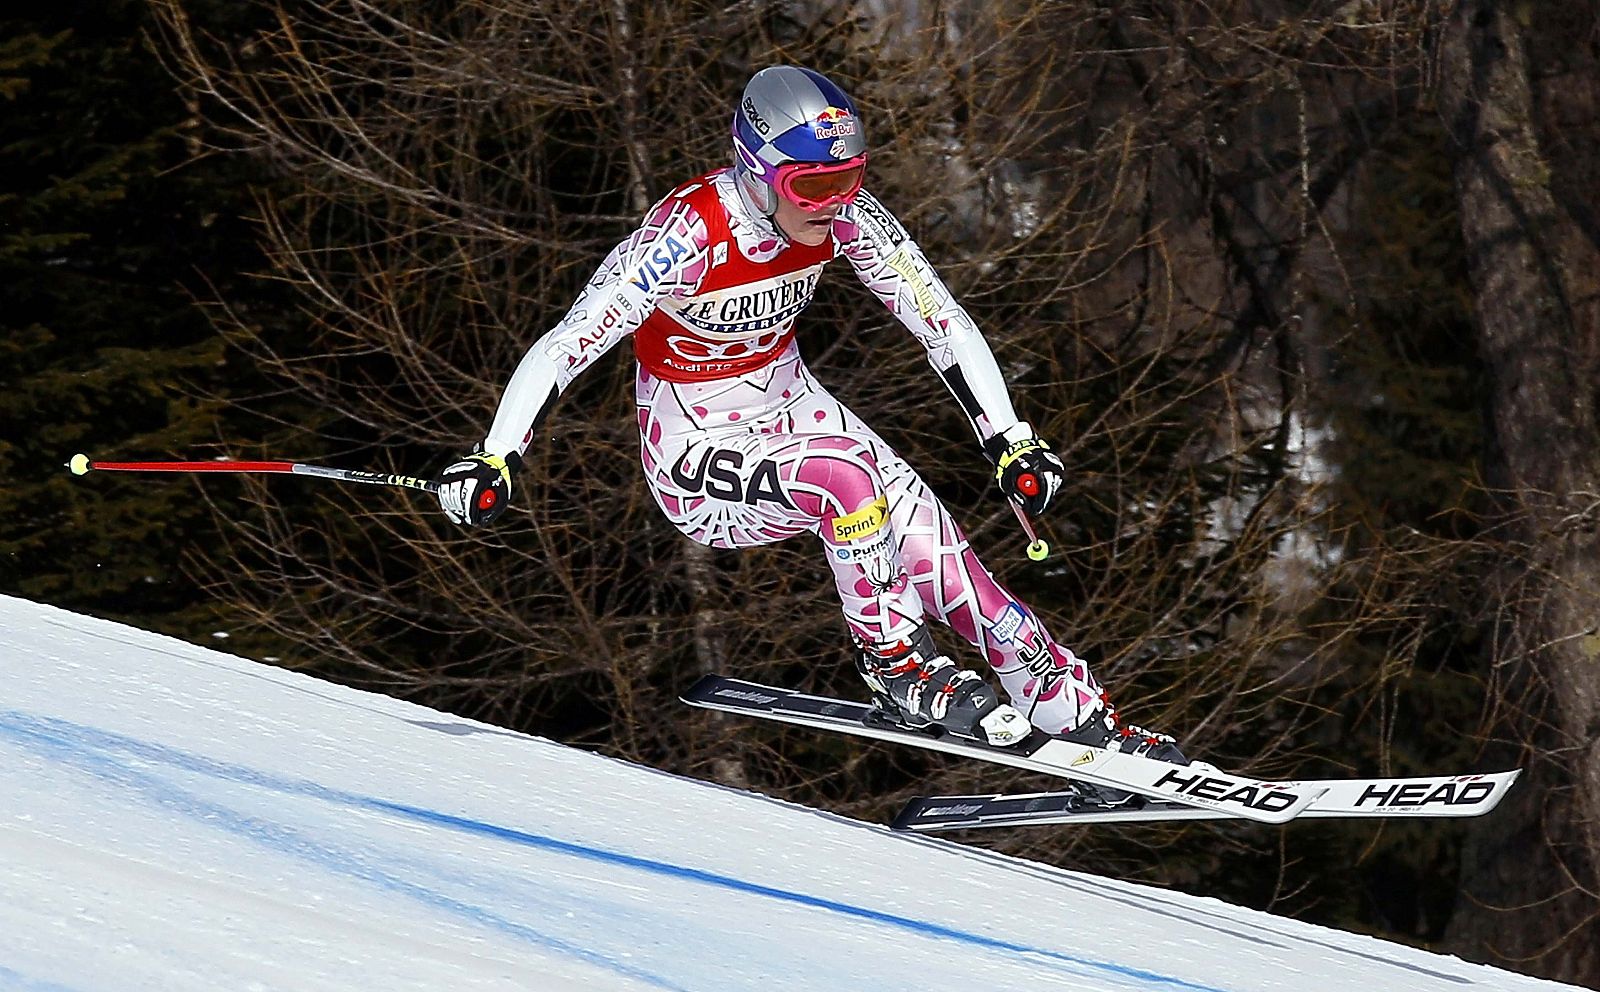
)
(1307, 292)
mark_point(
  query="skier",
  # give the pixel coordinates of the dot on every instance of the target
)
(742, 447)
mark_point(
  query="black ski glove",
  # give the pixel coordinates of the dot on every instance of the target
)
(477, 488)
(1029, 473)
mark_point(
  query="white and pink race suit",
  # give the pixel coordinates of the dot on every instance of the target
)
(742, 447)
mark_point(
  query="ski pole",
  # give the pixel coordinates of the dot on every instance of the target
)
(81, 465)
(1037, 549)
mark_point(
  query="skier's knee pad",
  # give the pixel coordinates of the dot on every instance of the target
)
(843, 467)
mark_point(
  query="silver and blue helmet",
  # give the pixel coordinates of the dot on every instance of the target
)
(794, 117)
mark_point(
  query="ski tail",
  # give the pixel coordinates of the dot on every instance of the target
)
(928, 814)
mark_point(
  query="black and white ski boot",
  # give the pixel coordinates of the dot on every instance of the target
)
(1104, 729)
(915, 687)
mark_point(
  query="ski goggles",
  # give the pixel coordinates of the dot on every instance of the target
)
(814, 185)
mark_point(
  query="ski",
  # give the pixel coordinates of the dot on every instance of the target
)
(1203, 788)
(1356, 798)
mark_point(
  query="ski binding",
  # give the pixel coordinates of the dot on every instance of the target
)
(1203, 788)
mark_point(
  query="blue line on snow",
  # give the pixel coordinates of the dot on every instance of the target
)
(53, 739)
(922, 928)
(94, 747)
(16, 981)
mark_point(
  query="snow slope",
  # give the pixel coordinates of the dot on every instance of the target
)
(175, 819)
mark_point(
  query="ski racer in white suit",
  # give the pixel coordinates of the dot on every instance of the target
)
(741, 446)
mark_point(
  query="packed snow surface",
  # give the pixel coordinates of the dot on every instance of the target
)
(179, 819)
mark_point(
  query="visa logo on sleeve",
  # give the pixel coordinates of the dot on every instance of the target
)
(661, 260)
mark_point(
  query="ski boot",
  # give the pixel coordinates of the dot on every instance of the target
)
(1104, 729)
(916, 688)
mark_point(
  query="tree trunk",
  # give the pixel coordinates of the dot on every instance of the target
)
(1529, 874)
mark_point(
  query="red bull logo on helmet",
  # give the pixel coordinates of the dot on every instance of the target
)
(834, 122)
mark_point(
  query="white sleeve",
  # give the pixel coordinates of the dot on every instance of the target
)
(613, 304)
(891, 265)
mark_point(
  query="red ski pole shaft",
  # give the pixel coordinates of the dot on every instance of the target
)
(82, 465)
(1037, 549)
